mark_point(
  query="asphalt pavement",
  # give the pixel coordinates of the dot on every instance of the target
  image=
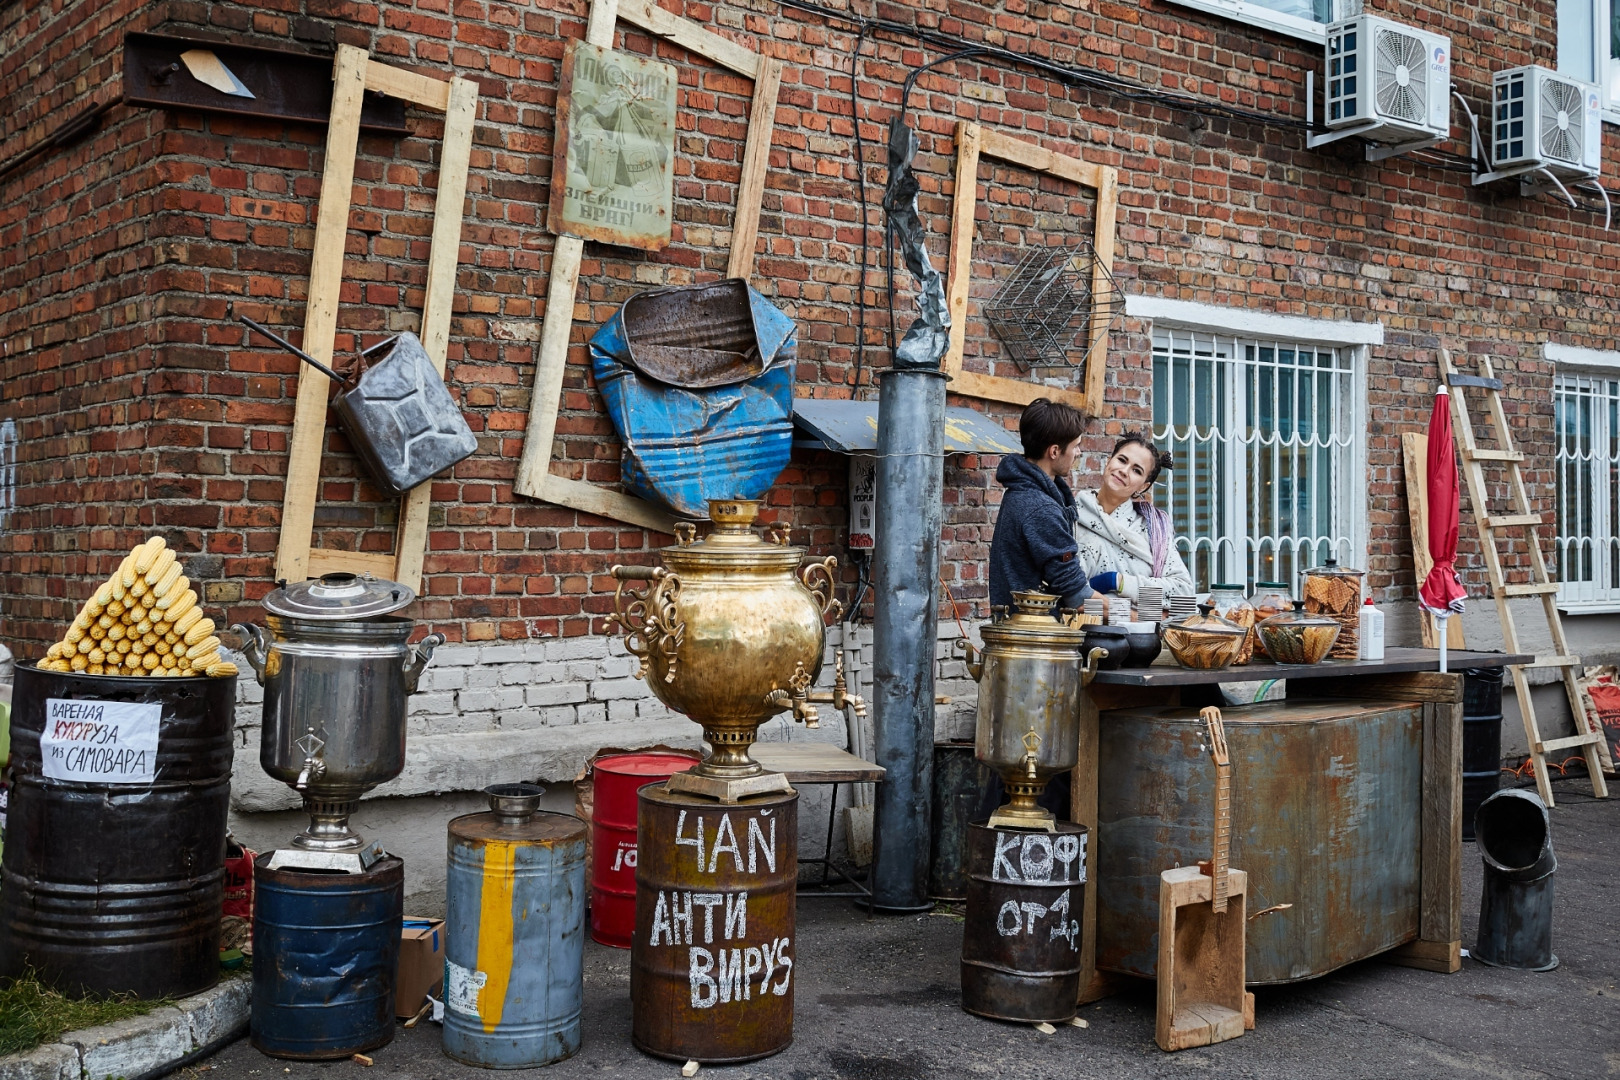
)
(878, 999)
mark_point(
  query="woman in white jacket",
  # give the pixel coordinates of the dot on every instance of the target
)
(1125, 541)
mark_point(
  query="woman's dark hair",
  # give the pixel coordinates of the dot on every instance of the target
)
(1049, 423)
(1162, 459)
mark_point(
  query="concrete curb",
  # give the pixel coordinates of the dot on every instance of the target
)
(133, 1048)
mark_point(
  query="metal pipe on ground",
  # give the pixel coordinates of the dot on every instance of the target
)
(910, 491)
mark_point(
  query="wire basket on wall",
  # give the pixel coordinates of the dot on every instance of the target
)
(1050, 301)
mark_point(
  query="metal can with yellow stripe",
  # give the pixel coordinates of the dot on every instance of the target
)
(515, 933)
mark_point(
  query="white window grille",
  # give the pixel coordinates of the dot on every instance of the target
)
(1586, 409)
(1305, 19)
(1268, 438)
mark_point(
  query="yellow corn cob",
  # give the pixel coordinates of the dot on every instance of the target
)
(79, 662)
(187, 621)
(115, 608)
(160, 567)
(140, 588)
(202, 645)
(151, 660)
(95, 669)
(72, 636)
(147, 554)
(199, 630)
(85, 645)
(125, 576)
(221, 669)
(177, 611)
(175, 592)
(98, 656)
(204, 661)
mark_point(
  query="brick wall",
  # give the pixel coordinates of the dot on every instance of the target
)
(139, 406)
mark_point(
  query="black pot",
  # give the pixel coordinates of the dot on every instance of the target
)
(1144, 646)
(1114, 640)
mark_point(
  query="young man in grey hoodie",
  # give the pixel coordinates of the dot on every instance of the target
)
(1034, 547)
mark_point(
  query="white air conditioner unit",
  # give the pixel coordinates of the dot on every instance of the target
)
(1390, 81)
(1544, 119)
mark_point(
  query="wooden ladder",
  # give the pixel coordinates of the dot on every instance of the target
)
(1523, 516)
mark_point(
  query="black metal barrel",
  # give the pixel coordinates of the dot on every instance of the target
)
(1482, 740)
(1021, 942)
(711, 962)
(961, 784)
(1516, 895)
(113, 883)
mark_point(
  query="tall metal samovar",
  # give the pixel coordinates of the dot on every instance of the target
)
(731, 632)
(1030, 678)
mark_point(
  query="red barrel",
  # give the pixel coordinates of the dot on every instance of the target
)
(613, 838)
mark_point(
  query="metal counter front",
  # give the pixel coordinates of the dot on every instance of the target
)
(1346, 805)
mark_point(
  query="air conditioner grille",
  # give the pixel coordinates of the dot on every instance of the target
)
(1402, 77)
(1563, 121)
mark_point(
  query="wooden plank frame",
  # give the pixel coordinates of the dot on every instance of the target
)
(972, 143)
(535, 478)
(353, 73)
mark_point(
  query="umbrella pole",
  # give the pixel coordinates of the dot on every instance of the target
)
(1440, 630)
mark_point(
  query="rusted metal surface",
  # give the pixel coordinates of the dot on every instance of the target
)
(515, 934)
(325, 959)
(961, 784)
(711, 967)
(117, 887)
(1326, 814)
(613, 837)
(1021, 942)
(698, 381)
(286, 85)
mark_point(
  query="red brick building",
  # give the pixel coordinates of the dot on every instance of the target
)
(1285, 307)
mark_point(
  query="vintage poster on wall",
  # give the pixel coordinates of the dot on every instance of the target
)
(613, 175)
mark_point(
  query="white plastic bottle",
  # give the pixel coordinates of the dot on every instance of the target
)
(1371, 632)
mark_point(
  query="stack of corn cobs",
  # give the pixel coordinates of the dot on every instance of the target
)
(143, 621)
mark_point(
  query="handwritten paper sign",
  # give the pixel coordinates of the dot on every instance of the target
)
(100, 742)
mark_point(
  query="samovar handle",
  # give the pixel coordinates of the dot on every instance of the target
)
(418, 659)
(820, 578)
(255, 647)
(651, 622)
(975, 665)
(1089, 671)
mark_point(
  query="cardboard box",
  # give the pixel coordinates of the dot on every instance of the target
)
(421, 964)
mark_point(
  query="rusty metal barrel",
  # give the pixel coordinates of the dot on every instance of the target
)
(515, 933)
(711, 966)
(1021, 940)
(114, 867)
(325, 959)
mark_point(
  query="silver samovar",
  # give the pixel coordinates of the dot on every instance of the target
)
(1030, 678)
(337, 673)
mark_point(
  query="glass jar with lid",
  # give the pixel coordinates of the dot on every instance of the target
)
(1205, 641)
(1231, 603)
(1298, 637)
(1334, 590)
(1270, 598)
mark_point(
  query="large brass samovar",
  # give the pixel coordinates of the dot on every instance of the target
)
(730, 635)
(1030, 678)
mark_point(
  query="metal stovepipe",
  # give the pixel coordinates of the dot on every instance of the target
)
(910, 489)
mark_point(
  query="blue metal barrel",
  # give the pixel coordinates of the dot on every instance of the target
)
(325, 957)
(514, 956)
(113, 880)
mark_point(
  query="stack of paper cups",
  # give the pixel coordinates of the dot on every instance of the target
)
(1119, 610)
(1150, 603)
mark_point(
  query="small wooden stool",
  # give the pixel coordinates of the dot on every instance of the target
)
(1202, 924)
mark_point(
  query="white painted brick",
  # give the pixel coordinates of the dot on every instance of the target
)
(534, 652)
(247, 687)
(618, 666)
(456, 656)
(618, 689)
(652, 709)
(562, 715)
(490, 700)
(591, 714)
(590, 647)
(500, 654)
(443, 679)
(520, 719)
(516, 674)
(483, 677)
(557, 694)
(469, 721)
(621, 710)
(433, 704)
(582, 670)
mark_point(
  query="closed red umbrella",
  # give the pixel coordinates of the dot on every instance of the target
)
(1441, 592)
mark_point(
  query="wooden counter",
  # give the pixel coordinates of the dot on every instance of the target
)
(1404, 675)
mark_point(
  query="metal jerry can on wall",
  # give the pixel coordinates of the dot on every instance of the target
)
(515, 933)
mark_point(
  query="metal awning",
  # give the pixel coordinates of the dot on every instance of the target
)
(851, 427)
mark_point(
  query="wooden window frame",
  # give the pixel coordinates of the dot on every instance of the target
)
(535, 478)
(972, 143)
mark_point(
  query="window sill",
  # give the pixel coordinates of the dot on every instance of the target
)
(1590, 607)
(1262, 17)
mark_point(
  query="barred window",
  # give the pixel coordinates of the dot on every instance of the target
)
(1586, 411)
(1268, 436)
